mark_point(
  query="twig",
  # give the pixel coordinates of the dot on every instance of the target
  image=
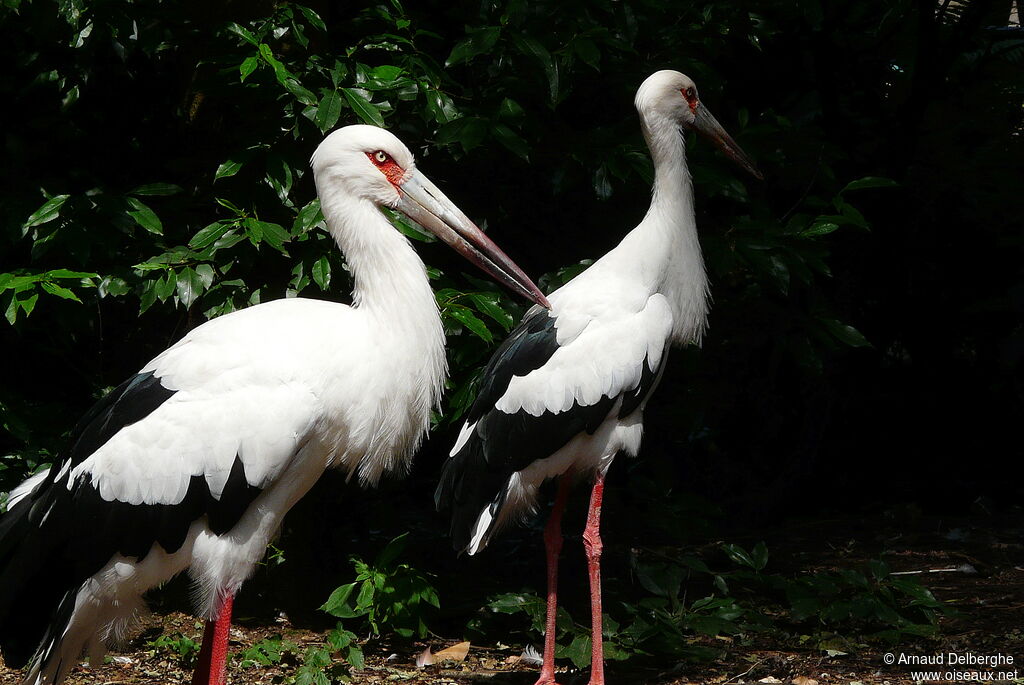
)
(740, 675)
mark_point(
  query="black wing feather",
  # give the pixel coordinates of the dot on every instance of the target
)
(501, 444)
(57, 537)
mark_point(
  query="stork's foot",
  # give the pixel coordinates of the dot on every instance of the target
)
(546, 679)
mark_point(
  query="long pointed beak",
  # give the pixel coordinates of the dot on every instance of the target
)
(425, 204)
(706, 124)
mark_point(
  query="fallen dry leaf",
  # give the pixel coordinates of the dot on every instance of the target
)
(804, 680)
(424, 658)
(456, 652)
(769, 679)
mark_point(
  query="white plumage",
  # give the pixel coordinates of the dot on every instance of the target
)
(566, 392)
(193, 463)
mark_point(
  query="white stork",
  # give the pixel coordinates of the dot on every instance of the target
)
(192, 463)
(566, 391)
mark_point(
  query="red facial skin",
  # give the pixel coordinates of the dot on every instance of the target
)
(388, 167)
(691, 98)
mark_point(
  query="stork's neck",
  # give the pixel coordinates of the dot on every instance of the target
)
(390, 283)
(663, 250)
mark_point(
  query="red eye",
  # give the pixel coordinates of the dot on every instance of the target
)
(387, 166)
(691, 98)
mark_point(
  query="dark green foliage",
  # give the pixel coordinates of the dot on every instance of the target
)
(315, 665)
(869, 605)
(389, 596)
(185, 649)
(266, 652)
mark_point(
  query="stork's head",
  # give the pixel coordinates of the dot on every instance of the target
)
(369, 163)
(672, 96)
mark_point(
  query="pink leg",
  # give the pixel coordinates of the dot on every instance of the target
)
(212, 666)
(553, 547)
(592, 545)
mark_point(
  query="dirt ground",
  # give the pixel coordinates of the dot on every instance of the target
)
(990, 621)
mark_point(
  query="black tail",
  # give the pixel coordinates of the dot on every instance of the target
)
(468, 486)
(32, 582)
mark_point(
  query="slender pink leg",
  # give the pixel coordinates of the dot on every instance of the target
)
(592, 545)
(553, 547)
(212, 666)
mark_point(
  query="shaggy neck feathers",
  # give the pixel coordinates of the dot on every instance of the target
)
(392, 289)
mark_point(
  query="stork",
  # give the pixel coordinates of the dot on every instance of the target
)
(565, 393)
(193, 462)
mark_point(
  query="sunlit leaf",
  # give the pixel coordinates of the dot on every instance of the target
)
(59, 291)
(470, 320)
(48, 212)
(328, 111)
(363, 107)
(228, 168)
(209, 235)
(247, 66)
(144, 216)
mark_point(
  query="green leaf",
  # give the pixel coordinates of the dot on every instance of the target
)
(228, 168)
(386, 73)
(354, 656)
(66, 273)
(312, 17)
(301, 93)
(245, 33)
(209, 235)
(329, 111)
(845, 333)
(322, 272)
(189, 286)
(480, 41)
(365, 109)
(157, 189)
(511, 140)
(739, 555)
(144, 216)
(510, 109)
(468, 131)
(280, 178)
(759, 555)
(468, 319)
(266, 232)
(166, 285)
(338, 601)
(59, 291)
(532, 48)
(247, 66)
(365, 598)
(578, 651)
(869, 182)
(391, 551)
(48, 212)
(819, 228)
(490, 304)
(308, 217)
(206, 274)
(268, 55)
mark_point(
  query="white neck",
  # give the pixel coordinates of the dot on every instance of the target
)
(392, 289)
(389, 279)
(663, 250)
